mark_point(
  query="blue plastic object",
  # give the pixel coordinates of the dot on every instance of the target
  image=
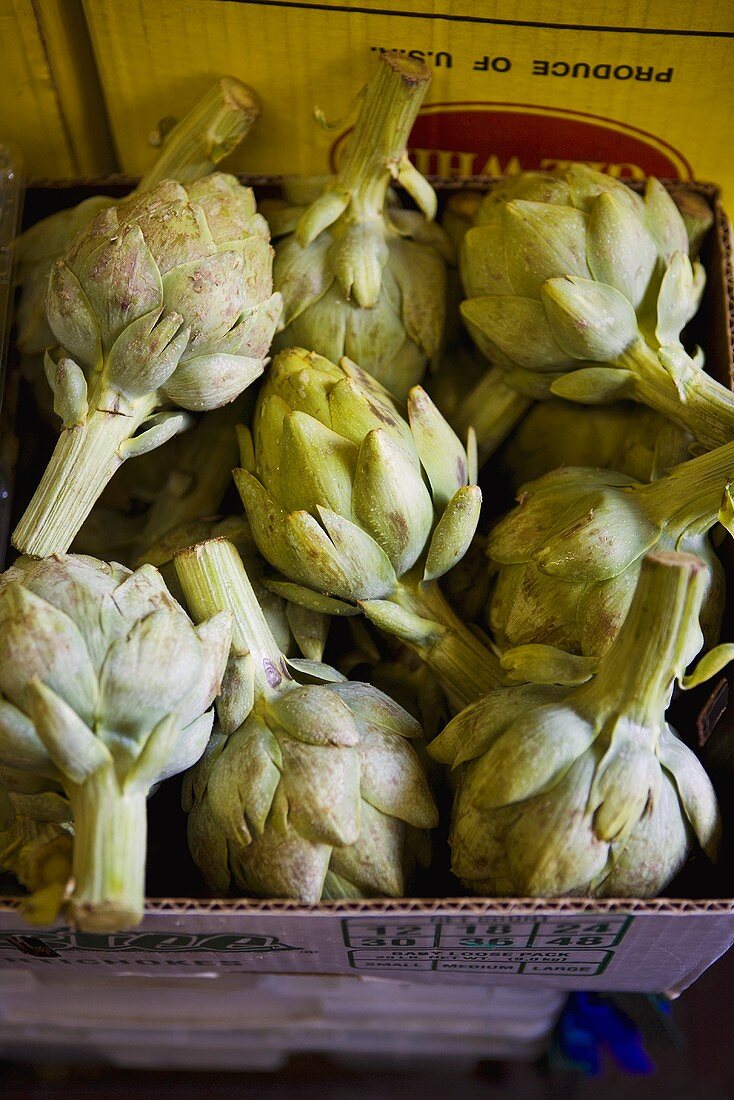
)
(592, 1025)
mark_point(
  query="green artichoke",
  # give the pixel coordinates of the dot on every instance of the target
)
(165, 301)
(360, 277)
(104, 690)
(339, 502)
(577, 286)
(306, 790)
(628, 438)
(588, 790)
(568, 556)
(209, 133)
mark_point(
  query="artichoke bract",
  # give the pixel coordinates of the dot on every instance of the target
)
(363, 509)
(588, 790)
(105, 690)
(568, 556)
(209, 132)
(359, 277)
(577, 286)
(628, 438)
(306, 790)
(165, 301)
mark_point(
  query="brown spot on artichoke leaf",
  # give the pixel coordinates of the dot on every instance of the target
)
(399, 525)
(380, 413)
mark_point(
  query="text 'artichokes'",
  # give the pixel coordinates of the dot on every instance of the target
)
(306, 790)
(164, 301)
(361, 508)
(360, 277)
(589, 790)
(568, 556)
(579, 287)
(105, 686)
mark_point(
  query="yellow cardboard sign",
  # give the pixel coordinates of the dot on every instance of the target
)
(634, 88)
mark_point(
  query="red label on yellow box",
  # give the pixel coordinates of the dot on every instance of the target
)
(500, 139)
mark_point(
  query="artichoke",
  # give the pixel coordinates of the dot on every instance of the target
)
(625, 437)
(578, 287)
(212, 130)
(339, 503)
(104, 690)
(568, 556)
(588, 790)
(306, 790)
(359, 277)
(165, 300)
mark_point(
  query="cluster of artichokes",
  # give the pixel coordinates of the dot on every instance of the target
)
(312, 654)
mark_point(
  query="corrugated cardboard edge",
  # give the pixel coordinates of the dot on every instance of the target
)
(468, 906)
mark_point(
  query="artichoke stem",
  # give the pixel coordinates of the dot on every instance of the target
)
(378, 142)
(210, 131)
(84, 460)
(706, 410)
(689, 498)
(658, 639)
(492, 409)
(466, 667)
(213, 579)
(109, 854)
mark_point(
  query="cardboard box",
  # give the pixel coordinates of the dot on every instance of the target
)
(631, 88)
(50, 106)
(244, 1021)
(656, 945)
